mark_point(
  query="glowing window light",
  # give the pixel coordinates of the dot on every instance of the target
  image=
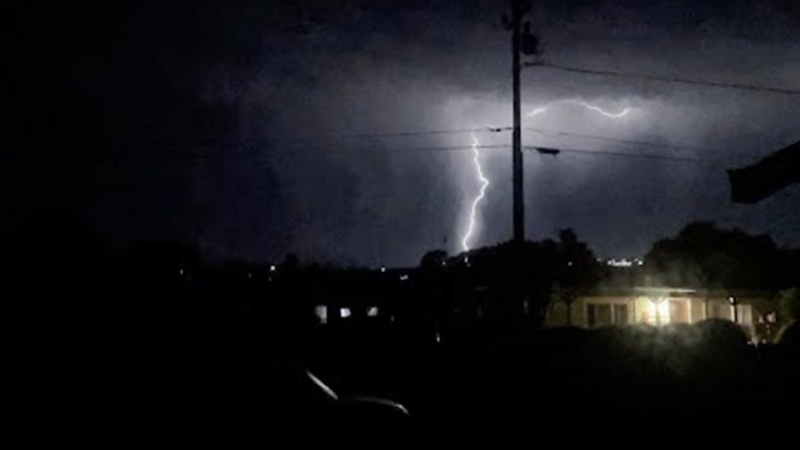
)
(662, 309)
(345, 313)
(658, 312)
(373, 312)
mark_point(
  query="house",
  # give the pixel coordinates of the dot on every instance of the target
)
(659, 306)
(345, 297)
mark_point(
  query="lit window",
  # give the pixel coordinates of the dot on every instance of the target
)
(372, 312)
(345, 313)
(663, 311)
(772, 318)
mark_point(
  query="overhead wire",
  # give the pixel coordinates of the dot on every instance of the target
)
(665, 79)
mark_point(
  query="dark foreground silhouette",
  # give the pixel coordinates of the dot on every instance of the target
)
(232, 381)
(150, 347)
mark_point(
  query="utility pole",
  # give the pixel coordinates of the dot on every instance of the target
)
(517, 11)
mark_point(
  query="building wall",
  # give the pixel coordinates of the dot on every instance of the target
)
(698, 309)
(594, 312)
(600, 311)
(557, 314)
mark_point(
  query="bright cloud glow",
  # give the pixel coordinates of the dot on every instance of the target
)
(485, 182)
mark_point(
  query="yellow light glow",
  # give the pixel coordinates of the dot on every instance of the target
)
(657, 312)
(663, 310)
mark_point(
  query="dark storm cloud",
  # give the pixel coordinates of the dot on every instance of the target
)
(454, 75)
(220, 119)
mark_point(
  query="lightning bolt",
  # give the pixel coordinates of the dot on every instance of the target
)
(485, 182)
(589, 106)
(481, 195)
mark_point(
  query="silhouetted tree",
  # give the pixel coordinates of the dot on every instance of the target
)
(62, 256)
(579, 270)
(790, 304)
(703, 255)
(434, 259)
(291, 262)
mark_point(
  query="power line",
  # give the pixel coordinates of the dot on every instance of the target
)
(541, 131)
(392, 135)
(387, 149)
(402, 134)
(611, 73)
(628, 155)
(202, 156)
(411, 134)
(611, 153)
(552, 133)
(198, 155)
(632, 142)
(436, 149)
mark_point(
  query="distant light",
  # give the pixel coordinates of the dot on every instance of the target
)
(620, 263)
(322, 313)
(663, 311)
(182, 272)
(345, 313)
(249, 276)
(373, 312)
(273, 268)
(438, 338)
(383, 269)
(570, 264)
(403, 277)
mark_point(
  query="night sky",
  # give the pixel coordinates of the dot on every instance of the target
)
(256, 128)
